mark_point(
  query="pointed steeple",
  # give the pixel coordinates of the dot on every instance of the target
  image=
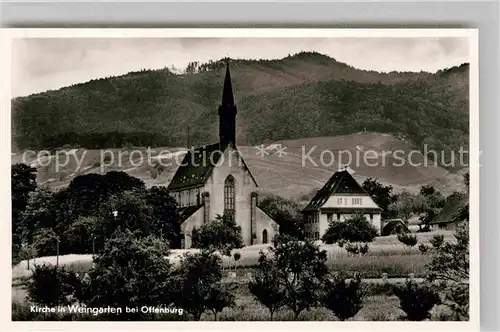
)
(227, 113)
(227, 93)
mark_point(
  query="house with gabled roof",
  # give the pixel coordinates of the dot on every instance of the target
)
(339, 199)
(454, 211)
(215, 180)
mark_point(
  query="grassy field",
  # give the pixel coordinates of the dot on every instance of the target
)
(386, 255)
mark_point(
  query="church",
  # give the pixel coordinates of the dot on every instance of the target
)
(215, 180)
(339, 199)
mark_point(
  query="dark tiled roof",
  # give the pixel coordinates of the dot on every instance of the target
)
(341, 182)
(188, 211)
(196, 167)
(453, 210)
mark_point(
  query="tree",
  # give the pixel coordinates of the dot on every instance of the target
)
(450, 264)
(355, 229)
(382, 195)
(404, 206)
(221, 234)
(130, 272)
(343, 298)
(301, 268)
(265, 285)
(39, 212)
(23, 182)
(194, 282)
(167, 219)
(219, 297)
(416, 300)
(81, 235)
(286, 212)
(431, 203)
(450, 261)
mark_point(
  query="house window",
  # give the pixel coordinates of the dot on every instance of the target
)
(371, 216)
(338, 216)
(264, 236)
(229, 196)
(329, 217)
(357, 201)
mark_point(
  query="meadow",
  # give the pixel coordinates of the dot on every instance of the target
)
(386, 255)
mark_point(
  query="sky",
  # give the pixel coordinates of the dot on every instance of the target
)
(41, 64)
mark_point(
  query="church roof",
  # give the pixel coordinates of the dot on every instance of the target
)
(196, 167)
(341, 182)
(188, 211)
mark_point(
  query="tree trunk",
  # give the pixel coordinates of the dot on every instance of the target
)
(271, 312)
(296, 315)
(215, 316)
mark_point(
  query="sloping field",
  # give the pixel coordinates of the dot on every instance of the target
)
(304, 166)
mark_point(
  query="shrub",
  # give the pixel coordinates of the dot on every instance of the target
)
(352, 248)
(363, 249)
(437, 241)
(355, 229)
(408, 239)
(416, 300)
(457, 299)
(343, 298)
(51, 285)
(423, 248)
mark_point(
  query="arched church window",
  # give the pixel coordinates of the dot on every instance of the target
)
(229, 196)
(264, 236)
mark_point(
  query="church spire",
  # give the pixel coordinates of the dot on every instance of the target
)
(227, 113)
(227, 93)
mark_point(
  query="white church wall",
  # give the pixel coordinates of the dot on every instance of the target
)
(244, 186)
(195, 220)
(264, 222)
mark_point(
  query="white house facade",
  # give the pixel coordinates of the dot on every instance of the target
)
(339, 199)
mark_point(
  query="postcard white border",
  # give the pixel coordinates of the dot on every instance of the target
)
(7, 35)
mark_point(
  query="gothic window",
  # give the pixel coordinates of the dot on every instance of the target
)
(229, 195)
(264, 236)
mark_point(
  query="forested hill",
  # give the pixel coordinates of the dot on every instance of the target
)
(304, 95)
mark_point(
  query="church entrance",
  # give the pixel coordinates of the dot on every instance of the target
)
(264, 236)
